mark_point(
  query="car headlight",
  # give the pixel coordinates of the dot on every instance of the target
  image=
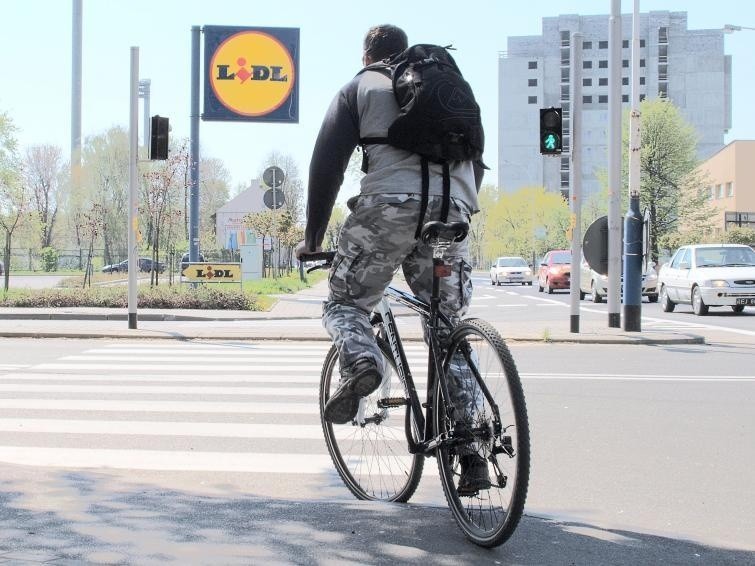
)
(715, 283)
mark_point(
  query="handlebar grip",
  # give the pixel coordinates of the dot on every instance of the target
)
(318, 256)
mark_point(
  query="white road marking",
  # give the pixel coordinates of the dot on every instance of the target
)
(269, 463)
(161, 406)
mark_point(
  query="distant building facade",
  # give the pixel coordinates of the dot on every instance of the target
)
(230, 230)
(686, 66)
(730, 174)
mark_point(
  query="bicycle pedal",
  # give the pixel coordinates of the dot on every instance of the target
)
(389, 402)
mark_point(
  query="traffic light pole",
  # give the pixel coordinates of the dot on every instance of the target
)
(614, 166)
(575, 200)
(194, 143)
(633, 220)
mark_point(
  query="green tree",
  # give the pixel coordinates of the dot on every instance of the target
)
(669, 187)
(45, 175)
(15, 200)
(741, 235)
(333, 231)
(527, 223)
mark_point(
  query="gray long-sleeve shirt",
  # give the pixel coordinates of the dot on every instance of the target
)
(364, 108)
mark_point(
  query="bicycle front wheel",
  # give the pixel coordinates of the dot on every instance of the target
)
(488, 427)
(371, 453)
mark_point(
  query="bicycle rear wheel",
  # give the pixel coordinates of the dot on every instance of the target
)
(371, 453)
(477, 351)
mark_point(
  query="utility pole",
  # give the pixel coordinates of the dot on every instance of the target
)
(76, 41)
(194, 151)
(633, 220)
(575, 200)
(614, 165)
(133, 204)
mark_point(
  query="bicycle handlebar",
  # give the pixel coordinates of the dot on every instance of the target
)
(326, 257)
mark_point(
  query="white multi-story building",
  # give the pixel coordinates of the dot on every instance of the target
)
(686, 66)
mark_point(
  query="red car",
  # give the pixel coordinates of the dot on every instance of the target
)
(554, 272)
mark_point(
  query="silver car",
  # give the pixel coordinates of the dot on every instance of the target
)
(596, 285)
(512, 269)
(709, 275)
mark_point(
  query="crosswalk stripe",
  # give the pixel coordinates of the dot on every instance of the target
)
(172, 428)
(167, 460)
(160, 389)
(160, 406)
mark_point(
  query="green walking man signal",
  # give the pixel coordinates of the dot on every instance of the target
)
(551, 131)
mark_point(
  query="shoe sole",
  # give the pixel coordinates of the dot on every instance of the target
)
(342, 408)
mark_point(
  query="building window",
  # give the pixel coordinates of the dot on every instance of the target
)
(625, 81)
(663, 90)
(720, 191)
(642, 97)
(603, 81)
(625, 63)
(565, 75)
(642, 80)
(531, 82)
(625, 98)
(603, 64)
(642, 62)
(564, 92)
(532, 100)
(603, 99)
(586, 82)
(602, 45)
(587, 99)
(729, 189)
(711, 193)
(587, 64)
(532, 65)
(625, 43)
(642, 43)
(587, 45)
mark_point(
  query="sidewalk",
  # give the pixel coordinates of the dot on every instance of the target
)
(294, 317)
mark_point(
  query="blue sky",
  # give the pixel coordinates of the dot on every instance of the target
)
(36, 60)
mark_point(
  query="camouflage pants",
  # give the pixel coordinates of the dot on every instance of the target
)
(376, 239)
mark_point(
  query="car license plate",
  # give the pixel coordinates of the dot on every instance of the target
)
(746, 302)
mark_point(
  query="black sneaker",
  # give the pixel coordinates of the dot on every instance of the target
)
(358, 381)
(474, 475)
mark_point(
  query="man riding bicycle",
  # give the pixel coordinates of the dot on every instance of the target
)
(380, 233)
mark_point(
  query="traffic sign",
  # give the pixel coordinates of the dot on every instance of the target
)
(273, 176)
(268, 197)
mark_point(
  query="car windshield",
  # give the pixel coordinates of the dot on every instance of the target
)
(561, 257)
(511, 262)
(724, 256)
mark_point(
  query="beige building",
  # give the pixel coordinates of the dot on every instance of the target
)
(731, 176)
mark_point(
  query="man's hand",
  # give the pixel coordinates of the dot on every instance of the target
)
(302, 249)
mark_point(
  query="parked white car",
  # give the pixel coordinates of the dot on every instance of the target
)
(709, 275)
(596, 285)
(510, 270)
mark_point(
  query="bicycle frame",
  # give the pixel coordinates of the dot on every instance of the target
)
(432, 317)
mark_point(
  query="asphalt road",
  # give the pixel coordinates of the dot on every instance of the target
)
(140, 452)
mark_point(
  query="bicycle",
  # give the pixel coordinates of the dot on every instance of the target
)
(380, 454)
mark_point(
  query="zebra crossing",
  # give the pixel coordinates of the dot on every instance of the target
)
(200, 406)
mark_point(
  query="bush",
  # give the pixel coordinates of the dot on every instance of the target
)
(49, 259)
(176, 297)
(741, 235)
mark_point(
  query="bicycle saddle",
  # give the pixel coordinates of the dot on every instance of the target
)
(452, 231)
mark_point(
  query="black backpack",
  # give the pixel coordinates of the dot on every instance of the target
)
(439, 118)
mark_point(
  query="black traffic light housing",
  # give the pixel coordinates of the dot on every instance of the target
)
(551, 131)
(158, 146)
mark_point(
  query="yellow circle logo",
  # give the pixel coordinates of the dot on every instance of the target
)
(252, 73)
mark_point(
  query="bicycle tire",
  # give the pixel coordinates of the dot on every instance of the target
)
(373, 460)
(489, 517)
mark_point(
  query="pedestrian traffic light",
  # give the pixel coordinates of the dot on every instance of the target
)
(158, 146)
(550, 131)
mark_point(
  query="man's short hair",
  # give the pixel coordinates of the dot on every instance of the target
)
(384, 41)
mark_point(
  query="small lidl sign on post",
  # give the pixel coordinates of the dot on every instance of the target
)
(251, 74)
(208, 272)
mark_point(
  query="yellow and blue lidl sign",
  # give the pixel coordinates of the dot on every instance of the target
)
(251, 74)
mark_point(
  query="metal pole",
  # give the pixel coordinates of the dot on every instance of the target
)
(276, 262)
(133, 218)
(614, 165)
(576, 178)
(633, 220)
(194, 142)
(76, 35)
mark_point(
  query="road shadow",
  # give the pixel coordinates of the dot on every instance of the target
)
(94, 518)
